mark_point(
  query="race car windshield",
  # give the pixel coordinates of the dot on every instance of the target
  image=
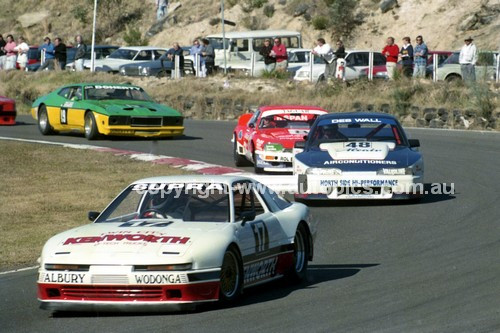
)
(115, 92)
(287, 121)
(125, 54)
(184, 201)
(357, 129)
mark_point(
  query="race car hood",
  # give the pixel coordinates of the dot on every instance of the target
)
(334, 155)
(284, 136)
(134, 108)
(137, 241)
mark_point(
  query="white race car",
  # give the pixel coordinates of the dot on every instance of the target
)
(170, 243)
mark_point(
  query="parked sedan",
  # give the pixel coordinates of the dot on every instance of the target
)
(101, 52)
(161, 67)
(128, 55)
(485, 67)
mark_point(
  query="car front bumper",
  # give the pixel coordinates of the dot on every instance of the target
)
(274, 161)
(358, 185)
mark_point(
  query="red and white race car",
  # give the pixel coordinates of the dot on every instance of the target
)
(267, 136)
(7, 111)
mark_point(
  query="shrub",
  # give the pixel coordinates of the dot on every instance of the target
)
(253, 23)
(281, 75)
(214, 21)
(133, 37)
(320, 22)
(231, 3)
(269, 10)
(80, 13)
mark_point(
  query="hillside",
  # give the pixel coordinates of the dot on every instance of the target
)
(362, 24)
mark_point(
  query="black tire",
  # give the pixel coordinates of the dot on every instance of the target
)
(256, 169)
(298, 271)
(90, 127)
(239, 160)
(231, 276)
(453, 78)
(43, 121)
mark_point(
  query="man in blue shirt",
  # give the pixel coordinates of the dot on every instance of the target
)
(420, 58)
(48, 48)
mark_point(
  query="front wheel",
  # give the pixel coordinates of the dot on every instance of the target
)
(298, 272)
(43, 121)
(231, 276)
(90, 127)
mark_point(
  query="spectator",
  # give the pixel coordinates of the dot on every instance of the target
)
(60, 53)
(2, 52)
(81, 49)
(265, 52)
(22, 53)
(161, 9)
(325, 52)
(208, 57)
(48, 48)
(390, 51)
(406, 54)
(421, 53)
(195, 51)
(10, 60)
(279, 52)
(467, 60)
(176, 50)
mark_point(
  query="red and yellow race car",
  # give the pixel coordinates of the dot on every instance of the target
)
(266, 137)
(7, 111)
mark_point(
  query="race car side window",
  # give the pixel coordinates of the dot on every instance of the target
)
(244, 200)
(254, 118)
(64, 92)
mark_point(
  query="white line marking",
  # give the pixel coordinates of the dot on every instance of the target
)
(19, 270)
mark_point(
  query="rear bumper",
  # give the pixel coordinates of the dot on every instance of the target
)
(8, 117)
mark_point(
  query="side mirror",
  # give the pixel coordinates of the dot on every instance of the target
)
(251, 125)
(93, 215)
(299, 144)
(247, 216)
(414, 143)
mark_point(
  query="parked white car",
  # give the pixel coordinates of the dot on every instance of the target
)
(128, 55)
(356, 62)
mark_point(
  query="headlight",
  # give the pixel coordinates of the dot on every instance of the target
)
(176, 267)
(323, 171)
(395, 171)
(381, 74)
(144, 71)
(273, 147)
(122, 71)
(303, 74)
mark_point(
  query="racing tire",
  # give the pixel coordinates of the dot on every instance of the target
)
(239, 160)
(90, 126)
(257, 170)
(231, 276)
(43, 121)
(298, 271)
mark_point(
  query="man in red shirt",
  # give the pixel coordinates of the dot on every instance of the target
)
(279, 52)
(391, 52)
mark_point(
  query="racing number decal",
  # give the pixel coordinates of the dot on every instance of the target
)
(261, 236)
(64, 115)
(359, 144)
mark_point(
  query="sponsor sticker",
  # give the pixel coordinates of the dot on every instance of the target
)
(260, 270)
(62, 277)
(381, 162)
(165, 278)
(357, 182)
(127, 238)
(99, 86)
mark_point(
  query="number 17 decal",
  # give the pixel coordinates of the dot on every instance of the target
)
(64, 115)
(261, 236)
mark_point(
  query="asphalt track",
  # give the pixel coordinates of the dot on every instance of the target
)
(392, 267)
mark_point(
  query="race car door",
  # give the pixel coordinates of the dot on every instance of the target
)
(261, 238)
(71, 112)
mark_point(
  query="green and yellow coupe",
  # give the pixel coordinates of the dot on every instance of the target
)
(105, 109)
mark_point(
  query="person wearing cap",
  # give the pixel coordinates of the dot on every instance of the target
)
(48, 48)
(467, 60)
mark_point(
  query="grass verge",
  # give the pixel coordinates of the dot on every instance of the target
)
(45, 190)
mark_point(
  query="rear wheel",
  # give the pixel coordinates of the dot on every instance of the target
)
(231, 276)
(239, 160)
(43, 121)
(90, 127)
(453, 78)
(298, 272)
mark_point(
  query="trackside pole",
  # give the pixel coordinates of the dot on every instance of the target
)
(498, 68)
(434, 67)
(311, 63)
(370, 66)
(252, 64)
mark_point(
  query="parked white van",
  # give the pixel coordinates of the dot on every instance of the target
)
(241, 44)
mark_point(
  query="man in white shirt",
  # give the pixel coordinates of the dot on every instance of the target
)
(467, 60)
(325, 52)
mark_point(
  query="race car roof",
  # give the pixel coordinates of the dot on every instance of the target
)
(290, 107)
(193, 179)
(357, 115)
